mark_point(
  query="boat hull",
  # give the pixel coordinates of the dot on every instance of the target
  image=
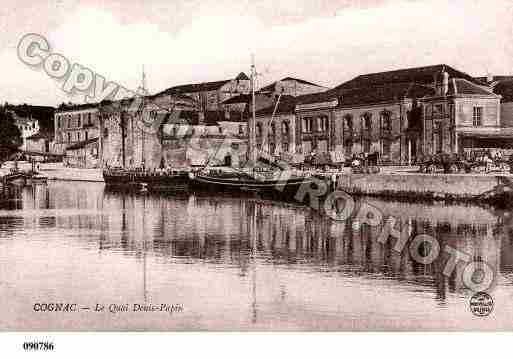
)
(161, 182)
(275, 188)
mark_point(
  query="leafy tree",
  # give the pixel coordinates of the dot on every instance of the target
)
(10, 136)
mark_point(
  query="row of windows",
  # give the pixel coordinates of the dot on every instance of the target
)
(28, 127)
(71, 137)
(272, 147)
(366, 122)
(317, 124)
(285, 129)
(67, 121)
(443, 110)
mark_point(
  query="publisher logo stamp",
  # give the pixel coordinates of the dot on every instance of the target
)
(481, 304)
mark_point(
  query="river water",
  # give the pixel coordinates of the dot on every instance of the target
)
(228, 263)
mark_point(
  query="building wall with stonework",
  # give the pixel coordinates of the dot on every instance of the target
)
(372, 128)
(507, 114)
(158, 136)
(278, 136)
(75, 124)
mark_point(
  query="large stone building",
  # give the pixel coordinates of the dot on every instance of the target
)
(460, 117)
(75, 124)
(168, 130)
(398, 114)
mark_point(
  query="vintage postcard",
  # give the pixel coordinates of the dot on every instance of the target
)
(256, 166)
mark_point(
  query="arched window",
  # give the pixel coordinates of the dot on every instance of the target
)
(366, 121)
(348, 122)
(386, 121)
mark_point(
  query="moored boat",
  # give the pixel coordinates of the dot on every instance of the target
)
(274, 183)
(171, 179)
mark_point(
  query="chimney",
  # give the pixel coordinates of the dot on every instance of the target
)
(445, 83)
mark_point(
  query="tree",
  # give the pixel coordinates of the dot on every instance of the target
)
(10, 136)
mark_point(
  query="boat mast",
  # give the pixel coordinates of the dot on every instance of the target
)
(143, 139)
(252, 122)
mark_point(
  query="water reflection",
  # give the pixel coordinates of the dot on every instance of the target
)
(295, 261)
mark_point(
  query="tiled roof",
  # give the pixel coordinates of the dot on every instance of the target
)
(422, 75)
(201, 87)
(82, 144)
(287, 104)
(505, 89)
(369, 94)
(384, 93)
(465, 87)
(316, 97)
(272, 86)
(237, 99)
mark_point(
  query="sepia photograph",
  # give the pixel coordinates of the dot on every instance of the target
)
(255, 166)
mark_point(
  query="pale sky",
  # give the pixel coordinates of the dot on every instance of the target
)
(326, 42)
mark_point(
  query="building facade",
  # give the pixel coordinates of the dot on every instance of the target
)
(32, 121)
(399, 115)
(75, 124)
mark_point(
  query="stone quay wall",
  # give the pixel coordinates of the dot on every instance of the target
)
(422, 186)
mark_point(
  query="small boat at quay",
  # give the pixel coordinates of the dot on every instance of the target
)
(22, 178)
(165, 180)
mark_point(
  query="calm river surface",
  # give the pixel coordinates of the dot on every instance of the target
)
(232, 263)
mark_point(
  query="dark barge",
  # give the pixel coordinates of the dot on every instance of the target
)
(162, 180)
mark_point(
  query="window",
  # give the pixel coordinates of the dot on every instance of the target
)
(308, 124)
(273, 130)
(323, 123)
(69, 137)
(348, 123)
(285, 128)
(477, 116)
(79, 120)
(386, 147)
(366, 145)
(366, 122)
(285, 147)
(386, 121)
(348, 148)
(241, 129)
(78, 136)
(259, 129)
(439, 109)
(86, 136)
(272, 148)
